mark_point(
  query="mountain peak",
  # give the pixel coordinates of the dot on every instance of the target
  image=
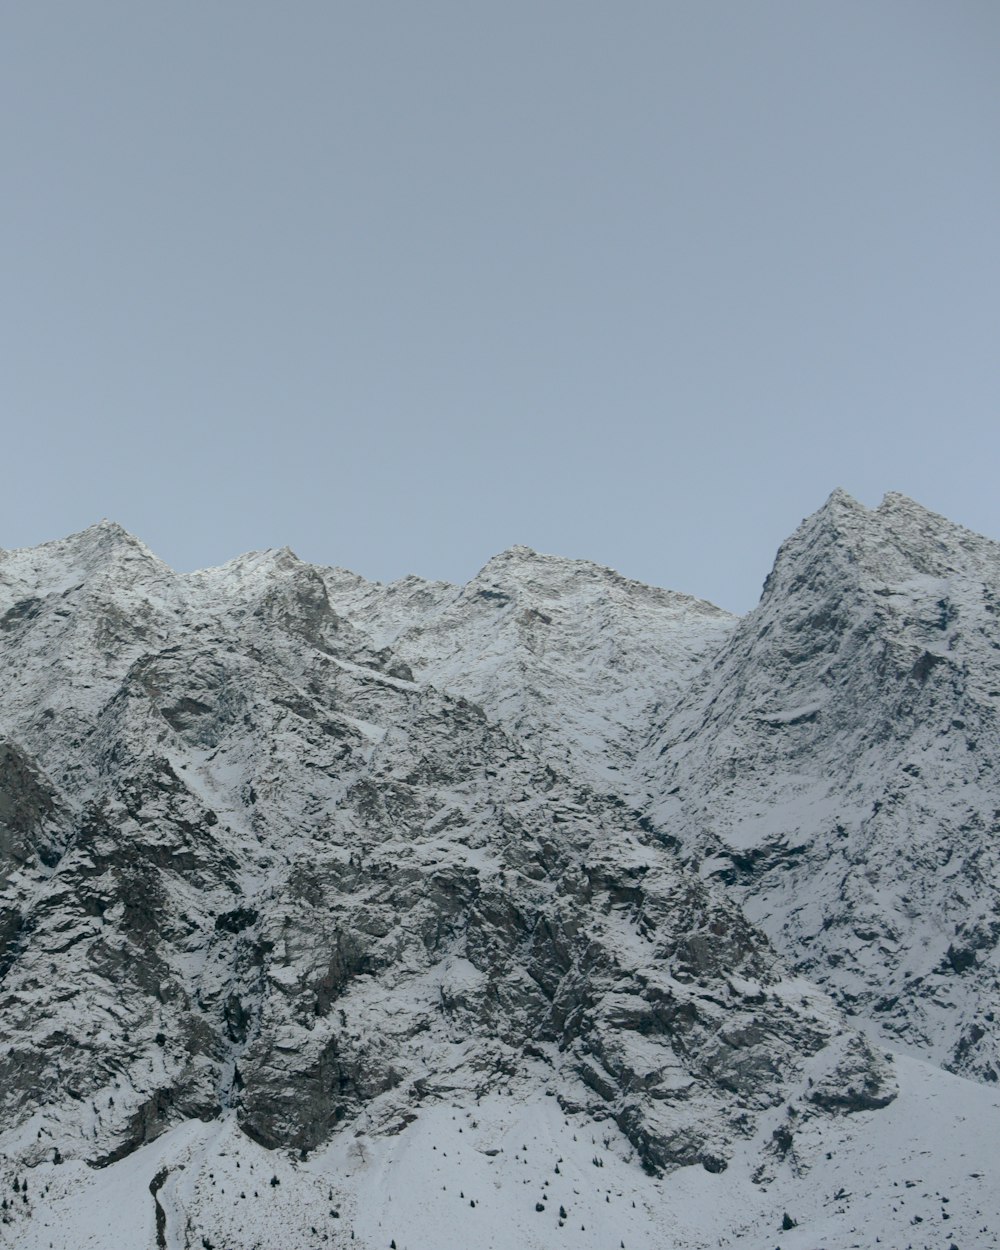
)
(101, 548)
(107, 526)
(839, 506)
(519, 563)
(906, 515)
(253, 566)
(840, 498)
(104, 536)
(896, 503)
(898, 539)
(516, 555)
(108, 529)
(527, 558)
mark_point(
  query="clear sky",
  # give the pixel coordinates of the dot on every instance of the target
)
(401, 284)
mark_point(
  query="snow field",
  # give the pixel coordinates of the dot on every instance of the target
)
(921, 1174)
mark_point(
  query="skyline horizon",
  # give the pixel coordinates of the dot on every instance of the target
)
(399, 286)
(838, 491)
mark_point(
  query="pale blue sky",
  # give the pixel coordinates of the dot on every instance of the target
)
(402, 284)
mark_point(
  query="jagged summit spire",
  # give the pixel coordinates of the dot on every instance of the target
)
(103, 550)
(107, 525)
(894, 502)
(103, 537)
(106, 537)
(844, 543)
(841, 496)
(839, 503)
(518, 554)
(817, 545)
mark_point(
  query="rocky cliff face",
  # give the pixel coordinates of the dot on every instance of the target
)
(284, 849)
(836, 767)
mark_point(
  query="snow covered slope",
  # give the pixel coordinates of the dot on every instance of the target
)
(514, 1171)
(837, 767)
(573, 658)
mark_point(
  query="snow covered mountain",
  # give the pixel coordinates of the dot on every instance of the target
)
(837, 767)
(340, 913)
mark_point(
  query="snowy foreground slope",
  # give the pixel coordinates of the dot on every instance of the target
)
(516, 1173)
(334, 913)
